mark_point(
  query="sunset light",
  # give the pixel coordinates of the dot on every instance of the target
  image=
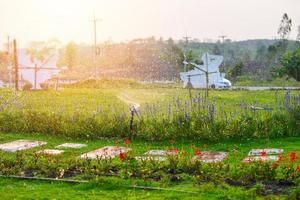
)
(150, 99)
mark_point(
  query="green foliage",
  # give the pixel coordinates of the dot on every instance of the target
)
(291, 65)
(39, 51)
(98, 113)
(236, 71)
(70, 56)
(4, 61)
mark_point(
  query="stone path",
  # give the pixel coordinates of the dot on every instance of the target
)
(51, 151)
(105, 152)
(19, 145)
(258, 152)
(157, 155)
(263, 155)
(71, 145)
(211, 157)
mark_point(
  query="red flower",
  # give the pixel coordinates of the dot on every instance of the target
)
(280, 158)
(293, 156)
(127, 142)
(298, 168)
(198, 152)
(263, 153)
(122, 156)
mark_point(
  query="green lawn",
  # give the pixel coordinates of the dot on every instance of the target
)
(90, 100)
(82, 103)
(109, 189)
(117, 188)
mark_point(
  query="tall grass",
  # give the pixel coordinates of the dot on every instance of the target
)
(198, 118)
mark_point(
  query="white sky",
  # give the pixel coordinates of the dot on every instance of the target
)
(68, 20)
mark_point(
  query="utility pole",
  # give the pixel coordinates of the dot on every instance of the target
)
(223, 44)
(9, 67)
(186, 38)
(16, 66)
(94, 20)
(223, 38)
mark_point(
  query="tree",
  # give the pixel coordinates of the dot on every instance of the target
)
(291, 65)
(236, 71)
(71, 55)
(298, 35)
(285, 27)
(4, 61)
(39, 51)
(216, 50)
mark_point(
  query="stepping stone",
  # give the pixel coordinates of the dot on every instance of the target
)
(19, 145)
(105, 152)
(258, 152)
(51, 151)
(158, 155)
(71, 145)
(211, 157)
(261, 158)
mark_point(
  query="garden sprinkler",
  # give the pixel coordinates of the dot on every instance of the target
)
(133, 112)
(189, 86)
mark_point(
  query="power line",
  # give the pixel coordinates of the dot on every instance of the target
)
(16, 66)
(186, 38)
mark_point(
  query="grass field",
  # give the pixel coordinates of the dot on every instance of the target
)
(100, 116)
(110, 188)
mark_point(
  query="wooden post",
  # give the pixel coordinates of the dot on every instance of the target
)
(16, 66)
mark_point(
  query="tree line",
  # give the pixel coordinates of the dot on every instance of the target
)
(162, 59)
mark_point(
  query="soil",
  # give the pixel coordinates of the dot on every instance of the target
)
(275, 188)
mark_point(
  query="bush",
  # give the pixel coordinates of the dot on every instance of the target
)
(27, 86)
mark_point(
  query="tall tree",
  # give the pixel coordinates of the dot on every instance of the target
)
(71, 55)
(285, 27)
